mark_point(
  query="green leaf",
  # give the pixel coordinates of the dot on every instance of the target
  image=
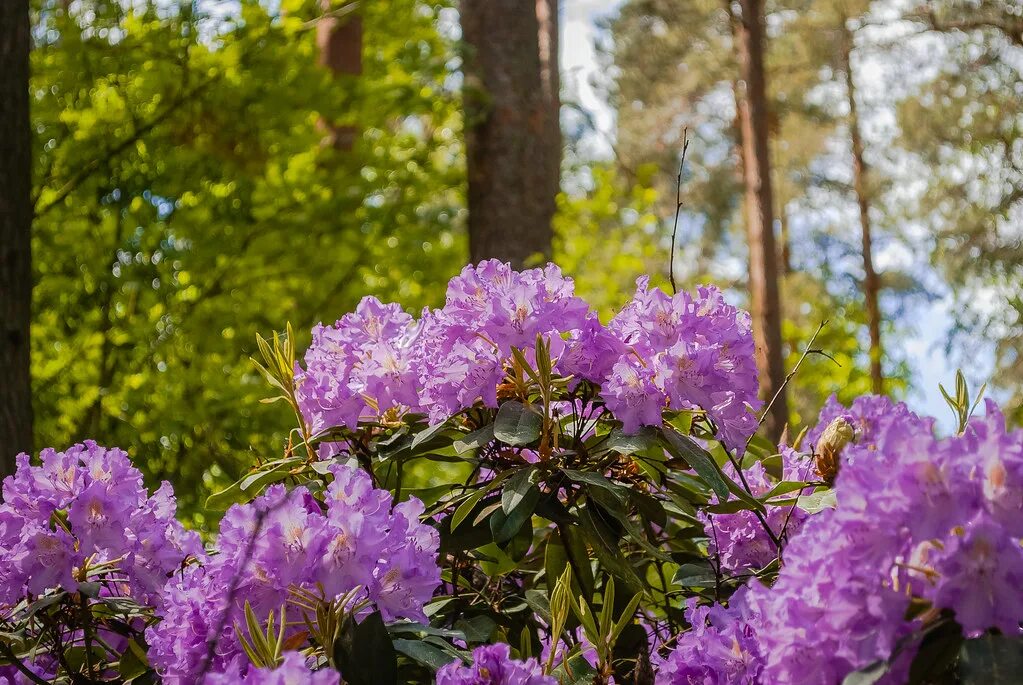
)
(517, 424)
(937, 653)
(518, 488)
(605, 544)
(476, 629)
(818, 501)
(368, 656)
(694, 575)
(133, 662)
(991, 660)
(427, 434)
(505, 526)
(424, 653)
(623, 443)
(783, 488)
(474, 440)
(466, 507)
(699, 459)
(619, 493)
(867, 675)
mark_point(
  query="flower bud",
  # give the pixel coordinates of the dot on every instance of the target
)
(835, 437)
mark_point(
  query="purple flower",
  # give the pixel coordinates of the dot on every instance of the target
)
(721, 648)
(360, 367)
(105, 513)
(684, 352)
(493, 665)
(286, 540)
(293, 670)
(740, 539)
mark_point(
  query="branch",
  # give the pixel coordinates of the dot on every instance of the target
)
(92, 166)
(1013, 30)
(807, 350)
(678, 209)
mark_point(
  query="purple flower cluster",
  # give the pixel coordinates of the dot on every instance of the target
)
(292, 671)
(739, 539)
(284, 540)
(721, 648)
(490, 309)
(87, 505)
(493, 665)
(680, 352)
(684, 352)
(359, 367)
(917, 516)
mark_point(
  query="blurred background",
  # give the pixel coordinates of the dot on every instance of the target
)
(196, 172)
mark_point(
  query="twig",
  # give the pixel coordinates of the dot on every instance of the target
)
(678, 209)
(9, 653)
(212, 640)
(781, 389)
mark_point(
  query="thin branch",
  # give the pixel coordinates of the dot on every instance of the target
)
(94, 165)
(9, 653)
(213, 639)
(781, 389)
(678, 209)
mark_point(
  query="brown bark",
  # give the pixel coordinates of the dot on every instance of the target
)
(513, 135)
(339, 47)
(871, 282)
(785, 249)
(759, 212)
(15, 235)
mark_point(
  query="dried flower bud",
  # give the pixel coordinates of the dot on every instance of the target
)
(835, 437)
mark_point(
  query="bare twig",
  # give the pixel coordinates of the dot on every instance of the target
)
(16, 662)
(213, 639)
(807, 350)
(678, 209)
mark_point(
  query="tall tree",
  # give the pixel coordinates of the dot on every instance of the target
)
(513, 139)
(765, 304)
(339, 46)
(15, 235)
(871, 282)
(963, 127)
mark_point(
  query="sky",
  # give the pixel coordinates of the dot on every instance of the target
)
(926, 324)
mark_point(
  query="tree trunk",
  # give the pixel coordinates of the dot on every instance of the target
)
(763, 255)
(15, 235)
(785, 249)
(871, 283)
(339, 46)
(513, 134)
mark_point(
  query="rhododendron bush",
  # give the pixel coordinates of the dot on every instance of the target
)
(614, 519)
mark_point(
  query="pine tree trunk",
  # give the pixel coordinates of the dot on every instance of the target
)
(15, 235)
(871, 283)
(785, 249)
(513, 135)
(763, 255)
(339, 46)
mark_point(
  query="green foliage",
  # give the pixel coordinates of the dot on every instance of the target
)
(608, 232)
(185, 201)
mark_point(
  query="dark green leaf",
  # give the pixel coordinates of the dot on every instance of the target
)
(424, 653)
(473, 441)
(623, 443)
(518, 488)
(517, 424)
(367, 656)
(991, 660)
(699, 459)
(476, 629)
